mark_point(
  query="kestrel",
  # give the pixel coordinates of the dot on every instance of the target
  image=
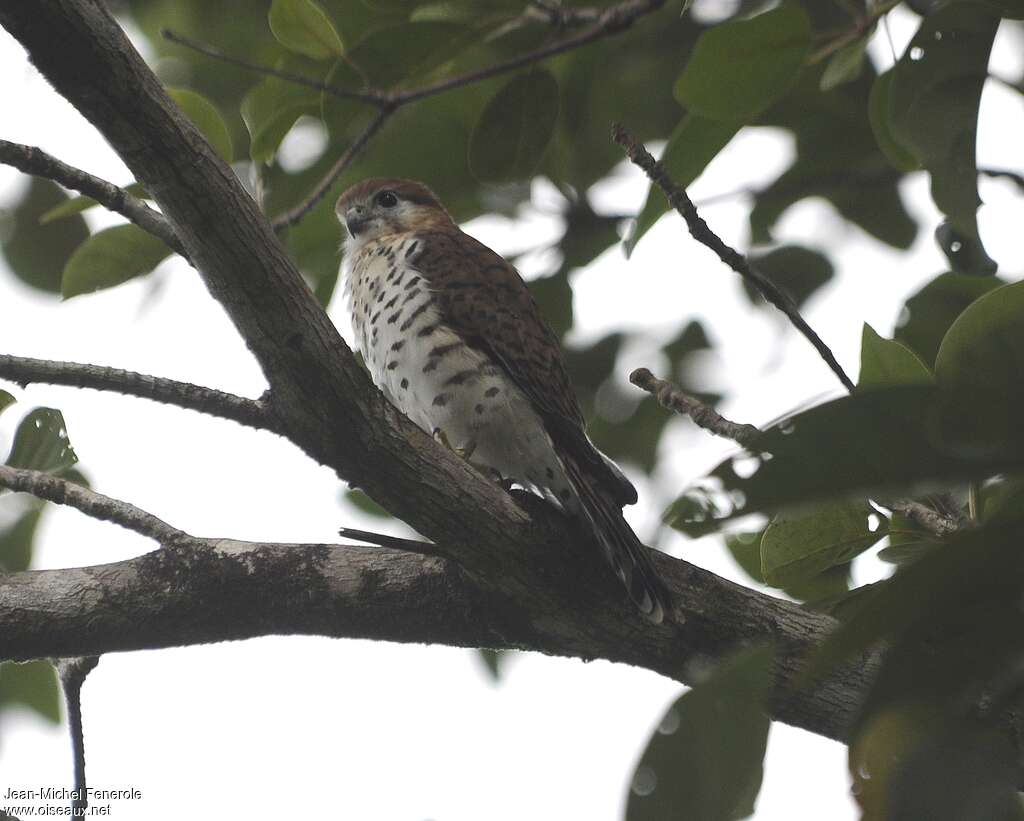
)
(453, 338)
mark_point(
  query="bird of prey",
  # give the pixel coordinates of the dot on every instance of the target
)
(453, 338)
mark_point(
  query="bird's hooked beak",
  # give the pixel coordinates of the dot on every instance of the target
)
(356, 219)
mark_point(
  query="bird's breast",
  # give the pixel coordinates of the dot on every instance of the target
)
(427, 369)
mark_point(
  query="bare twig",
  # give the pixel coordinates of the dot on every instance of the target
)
(294, 215)
(38, 163)
(1004, 173)
(250, 412)
(73, 672)
(935, 522)
(702, 415)
(383, 540)
(371, 97)
(53, 489)
(611, 20)
(602, 23)
(700, 231)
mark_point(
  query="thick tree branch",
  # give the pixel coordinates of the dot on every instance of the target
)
(222, 589)
(38, 163)
(700, 231)
(253, 413)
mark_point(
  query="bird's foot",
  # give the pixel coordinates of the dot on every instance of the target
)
(464, 452)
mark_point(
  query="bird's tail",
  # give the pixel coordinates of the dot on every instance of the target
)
(620, 545)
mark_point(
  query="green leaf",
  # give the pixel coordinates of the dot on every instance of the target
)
(888, 362)
(365, 504)
(110, 257)
(745, 548)
(954, 610)
(77, 205)
(914, 761)
(31, 684)
(37, 253)
(980, 368)
(797, 547)
(271, 108)
(879, 440)
(554, 296)
(205, 116)
(6, 400)
(965, 252)
(846, 64)
(514, 128)
(929, 312)
(879, 106)
(41, 443)
(1011, 9)
(694, 143)
(741, 67)
(796, 270)
(406, 51)
(492, 662)
(303, 27)
(934, 99)
(705, 760)
(1001, 499)
(16, 540)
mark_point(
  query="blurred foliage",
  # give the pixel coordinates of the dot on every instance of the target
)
(941, 404)
(40, 443)
(704, 760)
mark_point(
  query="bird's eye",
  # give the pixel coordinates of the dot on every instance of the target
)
(387, 199)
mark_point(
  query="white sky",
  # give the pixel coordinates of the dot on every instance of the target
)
(307, 728)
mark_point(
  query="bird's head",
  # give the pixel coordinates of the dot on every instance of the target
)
(381, 206)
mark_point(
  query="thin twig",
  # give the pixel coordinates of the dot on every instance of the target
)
(54, 489)
(1004, 173)
(371, 96)
(936, 523)
(611, 20)
(38, 163)
(603, 22)
(294, 215)
(73, 672)
(700, 231)
(669, 396)
(382, 540)
(250, 412)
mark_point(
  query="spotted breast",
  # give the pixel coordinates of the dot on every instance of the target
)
(437, 379)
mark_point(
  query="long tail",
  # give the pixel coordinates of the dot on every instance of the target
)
(623, 550)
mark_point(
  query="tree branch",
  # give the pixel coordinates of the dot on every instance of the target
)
(73, 672)
(669, 396)
(294, 215)
(371, 97)
(602, 23)
(223, 589)
(38, 163)
(700, 231)
(253, 413)
(54, 489)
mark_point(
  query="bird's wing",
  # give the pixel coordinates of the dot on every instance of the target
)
(484, 299)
